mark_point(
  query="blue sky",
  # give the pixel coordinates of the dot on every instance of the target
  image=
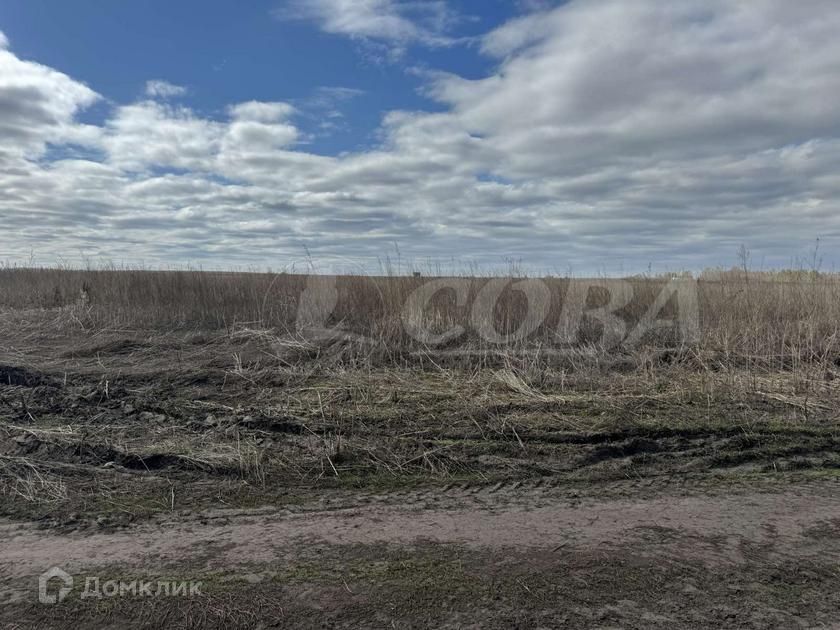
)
(227, 52)
(586, 135)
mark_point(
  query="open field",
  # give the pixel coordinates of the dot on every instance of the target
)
(322, 465)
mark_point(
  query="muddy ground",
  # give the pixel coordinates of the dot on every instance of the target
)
(310, 488)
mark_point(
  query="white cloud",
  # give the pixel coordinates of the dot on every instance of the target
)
(251, 136)
(150, 134)
(517, 33)
(263, 112)
(611, 134)
(164, 89)
(605, 81)
(4, 41)
(37, 105)
(394, 21)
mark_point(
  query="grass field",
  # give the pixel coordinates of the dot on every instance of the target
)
(135, 401)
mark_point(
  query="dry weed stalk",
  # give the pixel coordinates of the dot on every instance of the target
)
(20, 477)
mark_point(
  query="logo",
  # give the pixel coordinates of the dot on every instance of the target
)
(54, 574)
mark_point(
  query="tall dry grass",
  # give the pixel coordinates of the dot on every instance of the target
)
(773, 318)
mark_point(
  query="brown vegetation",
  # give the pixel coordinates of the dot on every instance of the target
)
(776, 320)
(134, 398)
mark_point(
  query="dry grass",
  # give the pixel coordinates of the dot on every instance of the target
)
(779, 321)
(22, 478)
(205, 381)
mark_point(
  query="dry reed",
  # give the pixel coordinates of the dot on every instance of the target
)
(778, 320)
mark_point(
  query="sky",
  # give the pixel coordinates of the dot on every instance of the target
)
(576, 136)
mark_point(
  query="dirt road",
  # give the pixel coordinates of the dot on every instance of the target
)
(486, 556)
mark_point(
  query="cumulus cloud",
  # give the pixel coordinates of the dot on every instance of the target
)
(610, 134)
(152, 134)
(255, 111)
(37, 105)
(258, 128)
(164, 89)
(4, 41)
(671, 81)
